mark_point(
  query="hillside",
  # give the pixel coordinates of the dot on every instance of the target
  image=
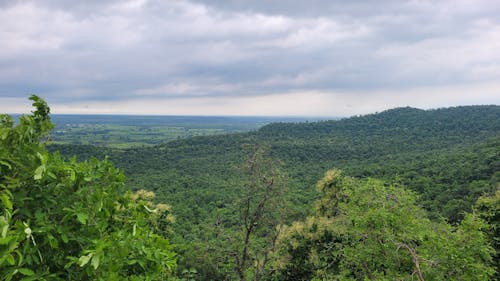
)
(449, 156)
(201, 171)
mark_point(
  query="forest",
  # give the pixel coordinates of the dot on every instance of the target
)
(404, 194)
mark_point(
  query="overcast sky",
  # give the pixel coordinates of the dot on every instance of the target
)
(288, 57)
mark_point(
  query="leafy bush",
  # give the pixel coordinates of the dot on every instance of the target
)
(69, 220)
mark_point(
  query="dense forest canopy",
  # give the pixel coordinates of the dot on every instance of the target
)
(417, 199)
(449, 156)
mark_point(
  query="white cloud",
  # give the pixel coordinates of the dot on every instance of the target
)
(316, 33)
(241, 53)
(206, 87)
(15, 105)
(299, 103)
(447, 58)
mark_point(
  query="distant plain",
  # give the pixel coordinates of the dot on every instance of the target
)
(125, 131)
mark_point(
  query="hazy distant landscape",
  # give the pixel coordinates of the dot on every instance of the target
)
(122, 131)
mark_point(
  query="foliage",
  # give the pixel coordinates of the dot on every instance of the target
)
(63, 220)
(449, 157)
(367, 230)
(238, 245)
(488, 208)
(260, 214)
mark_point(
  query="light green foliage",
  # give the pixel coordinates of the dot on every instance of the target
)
(72, 220)
(367, 230)
(488, 208)
(260, 212)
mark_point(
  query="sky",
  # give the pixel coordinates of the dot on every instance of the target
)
(211, 57)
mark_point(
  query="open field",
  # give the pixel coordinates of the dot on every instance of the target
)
(122, 131)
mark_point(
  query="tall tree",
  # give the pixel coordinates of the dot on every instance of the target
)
(260, 215)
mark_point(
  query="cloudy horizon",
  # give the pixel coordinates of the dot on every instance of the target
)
(273, 58)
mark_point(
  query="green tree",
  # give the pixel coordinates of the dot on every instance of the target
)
(488, 208)
(368, 230)
(72, 220)
(260, 215)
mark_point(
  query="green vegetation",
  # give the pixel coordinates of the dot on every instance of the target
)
(131, 131)
(367, 230)
(119, 136)
(260, 211)
(417, 200)
(73, 221)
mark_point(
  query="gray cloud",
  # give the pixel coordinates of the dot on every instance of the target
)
(93, 51)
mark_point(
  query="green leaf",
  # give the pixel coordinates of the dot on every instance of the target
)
(98, 205)
(64, 238)
(6, 201)
(72, 260)
(20, 259)
(4, 225)
(39, 171)
(10, 260)
(42, 158)
(131, 261)
(82, 218)
(6, 164)
(54, 244)
(83, 260)
(26, 271)
(39, 215)
(72, 175)
(95, 261)
(4, 132)
(5, 241)
(52, 175)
